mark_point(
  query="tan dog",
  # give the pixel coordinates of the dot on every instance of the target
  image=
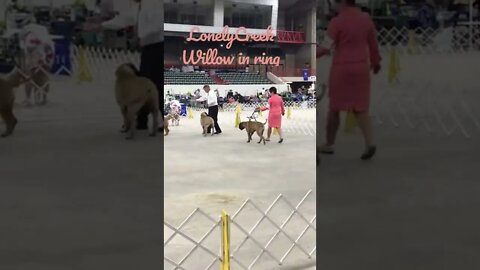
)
(252, 127)
(206, 122)
(7, 100)
(165, 124)
(175, 117)
(132, 92)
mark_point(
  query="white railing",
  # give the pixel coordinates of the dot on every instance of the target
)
(299, 118)
(251, 238)
(426, 40)
(424, 91)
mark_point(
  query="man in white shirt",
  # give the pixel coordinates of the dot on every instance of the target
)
(212, 103)
(148, 22)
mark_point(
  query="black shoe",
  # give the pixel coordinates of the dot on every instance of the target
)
(281, 141)
(217, 132)
(369, 153)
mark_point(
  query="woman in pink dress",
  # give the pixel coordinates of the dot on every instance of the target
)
(276, 111)
(352, 38)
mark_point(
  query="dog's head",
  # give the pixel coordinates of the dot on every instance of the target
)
(203, 115)
(242, 125)
(126, 70)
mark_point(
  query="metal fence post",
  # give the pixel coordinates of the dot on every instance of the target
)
(225, 241)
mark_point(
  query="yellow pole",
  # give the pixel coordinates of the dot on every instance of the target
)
(350, 123)
(289, 112)
(411, 41)
(394, 66)
(225, 241)
(237, 116)
(84, 73)
(190, 113)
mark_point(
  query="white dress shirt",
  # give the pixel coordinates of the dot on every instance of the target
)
(147, 18)
(211, 99)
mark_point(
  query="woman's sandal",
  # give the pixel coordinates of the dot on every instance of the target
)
(281, 141)
(369, 153)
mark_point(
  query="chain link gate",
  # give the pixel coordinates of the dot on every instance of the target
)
(242, 246)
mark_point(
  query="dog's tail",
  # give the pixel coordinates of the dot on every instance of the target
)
(134, 68)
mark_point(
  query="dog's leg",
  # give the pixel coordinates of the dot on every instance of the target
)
(249, 137)
(126, 126)
(10, 121)
(260, 134)
(132, 112)
(262, 138)
(167, 130)
(205, 131)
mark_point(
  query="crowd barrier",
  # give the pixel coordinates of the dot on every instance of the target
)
(428, 82)
(299, 118)
(250, 238)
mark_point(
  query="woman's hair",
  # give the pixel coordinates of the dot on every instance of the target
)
(272, 90)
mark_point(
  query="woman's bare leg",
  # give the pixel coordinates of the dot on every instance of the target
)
(365, 124)
(269, 133)
(333, 123)
(280, 133)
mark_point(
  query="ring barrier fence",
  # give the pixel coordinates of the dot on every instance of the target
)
(250, 238)
(428, 82)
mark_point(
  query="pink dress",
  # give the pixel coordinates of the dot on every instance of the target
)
(277, 109)
(355, 52)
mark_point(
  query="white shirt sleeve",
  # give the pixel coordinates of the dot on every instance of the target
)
(150, 19)
(119, 22)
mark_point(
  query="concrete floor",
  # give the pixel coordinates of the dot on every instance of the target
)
(220, 172)
(413, 207)
(74, 195)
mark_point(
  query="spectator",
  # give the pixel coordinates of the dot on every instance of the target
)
(38, 49)
(427, 15)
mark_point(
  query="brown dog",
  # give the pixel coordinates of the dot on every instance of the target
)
(252, 127)
(7, 100)
(165, 124)
(206, 122)
(132, 92)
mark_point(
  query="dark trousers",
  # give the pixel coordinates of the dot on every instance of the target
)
(213, 112)
(151, 67)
